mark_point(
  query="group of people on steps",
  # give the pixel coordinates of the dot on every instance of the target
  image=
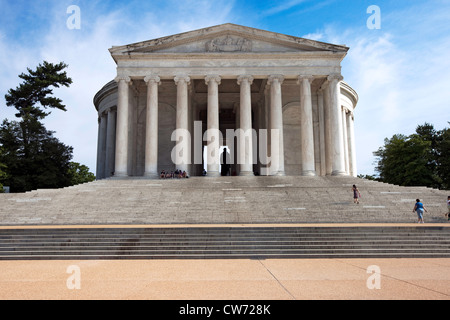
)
(419, 208)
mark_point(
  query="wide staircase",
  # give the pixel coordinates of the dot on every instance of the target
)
(225, 242)
(234, 200)
(226, 217)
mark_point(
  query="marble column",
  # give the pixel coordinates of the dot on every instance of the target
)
(327, 124)
(351, 143)
(110, 143)
(276, 126)
(213, 134)
(121, 164)
(182, 149)
(245, 132)
(151, 127)
(264, 152)
(344, 133)
(102, 146)
(306, 126)
(97, 170)
(235, 145)
(337, 140)
(320, 105)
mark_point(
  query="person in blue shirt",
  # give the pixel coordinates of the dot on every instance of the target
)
(419, 208)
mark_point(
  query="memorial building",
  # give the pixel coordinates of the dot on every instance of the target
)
(277, 103)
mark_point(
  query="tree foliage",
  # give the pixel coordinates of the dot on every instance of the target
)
(39, 161)
(443, 157)
(79, 173)
(32, 156)
(3, 168)
(36, 91)
(420, 159)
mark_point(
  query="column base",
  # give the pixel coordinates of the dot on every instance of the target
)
(309, 173)
(338, 173)
(151, 175)
(246, 173)
(279, 174)
(120, 175)
(213, 174)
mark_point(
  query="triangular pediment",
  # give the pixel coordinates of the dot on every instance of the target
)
(226, 38)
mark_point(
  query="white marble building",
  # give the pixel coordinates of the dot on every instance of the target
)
(213, 81)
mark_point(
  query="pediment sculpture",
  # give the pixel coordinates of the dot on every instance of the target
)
(229, 44)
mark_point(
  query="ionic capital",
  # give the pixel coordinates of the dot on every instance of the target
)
(243, 78)
(213, 77)
(152, 79)
(102, 116)
(336, 76)
(112, 110)
(182, 78)
(124, 78)
(310, 78)
(275, 77)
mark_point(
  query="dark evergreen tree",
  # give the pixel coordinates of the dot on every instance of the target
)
(41, 162)
(36, 91)
(32, 156)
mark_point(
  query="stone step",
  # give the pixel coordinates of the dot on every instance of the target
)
(221, 200)
(219, 242)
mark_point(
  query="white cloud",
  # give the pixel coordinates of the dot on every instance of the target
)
(374, 68)
(401, 79)
(317, 36)
(282, 6)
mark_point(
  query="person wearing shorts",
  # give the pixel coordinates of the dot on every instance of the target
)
(419, 208)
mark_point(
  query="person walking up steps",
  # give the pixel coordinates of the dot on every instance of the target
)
(419, 208)
(448, 208)
(356, 194)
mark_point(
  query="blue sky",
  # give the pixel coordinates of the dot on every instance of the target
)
(400, 71)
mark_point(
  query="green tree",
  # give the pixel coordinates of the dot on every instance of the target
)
(43, 162)
(33, 156)
(401, 161)
(79, 173)
(367, 177)
(36, 91)
(443, 157)
(413, 160)
(3, 174)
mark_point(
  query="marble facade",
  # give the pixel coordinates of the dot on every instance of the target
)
(175, 95)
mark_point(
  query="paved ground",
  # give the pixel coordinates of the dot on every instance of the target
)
(247, 279)
(289, 279)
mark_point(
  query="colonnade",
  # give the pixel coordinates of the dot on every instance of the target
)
(336, 132)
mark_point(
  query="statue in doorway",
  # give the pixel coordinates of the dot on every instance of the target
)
(225, 162)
